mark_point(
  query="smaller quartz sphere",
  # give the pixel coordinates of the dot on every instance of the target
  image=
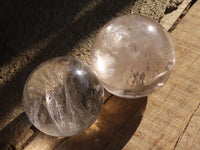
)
(133, 56)
(62, 97)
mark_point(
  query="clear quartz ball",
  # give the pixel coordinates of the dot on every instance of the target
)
(62, 97)
(133, 56)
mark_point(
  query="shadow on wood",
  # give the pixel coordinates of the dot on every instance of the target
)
(25, 23)
(16, 133)
(35, 21)
(118, 121)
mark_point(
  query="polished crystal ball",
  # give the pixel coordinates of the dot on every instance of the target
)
(62, 97)
(133, 56)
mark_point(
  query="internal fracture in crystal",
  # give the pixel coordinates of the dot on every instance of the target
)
(62, 97)
(133, 56)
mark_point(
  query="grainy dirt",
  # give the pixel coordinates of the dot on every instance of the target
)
(33, 31)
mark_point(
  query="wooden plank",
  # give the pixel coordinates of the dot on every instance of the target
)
(169, 19)
(172, 113)
(190, 137)
(112, 117)
(46, 142)
(42, 141)
(17, 136)
(168, 110)
(107, 95)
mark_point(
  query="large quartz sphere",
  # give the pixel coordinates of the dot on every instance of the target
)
(62, 97)
(133, 56)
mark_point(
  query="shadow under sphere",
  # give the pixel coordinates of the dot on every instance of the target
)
(24, 23)
(117, 123)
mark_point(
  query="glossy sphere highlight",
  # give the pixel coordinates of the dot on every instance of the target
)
(62, 97)
(133, 56)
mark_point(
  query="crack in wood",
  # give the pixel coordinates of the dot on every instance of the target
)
(194, 61)
(36, 132)
(184, 12)
(180, 135)
(187, 124)
(29, 140)
(108, 99)
(11, 147)
(62, 141)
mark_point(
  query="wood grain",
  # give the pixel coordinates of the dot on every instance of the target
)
(15, 132)
(43, 142)
(171, 119)
(46, 142)
(190, 136)
(121, 125)
(115, 113)
(169, 19)
(169, 111)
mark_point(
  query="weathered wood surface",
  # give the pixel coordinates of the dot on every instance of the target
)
(114, 114)
(171, 118)
(169, 19)
(45, 142)
(190, 137)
